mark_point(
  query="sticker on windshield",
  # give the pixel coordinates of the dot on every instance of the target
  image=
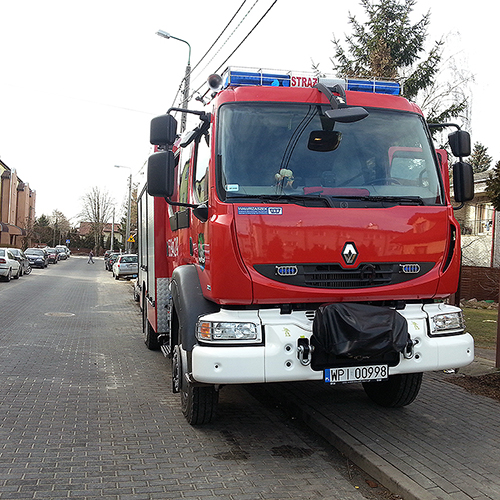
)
(232, 187)
(260, 210)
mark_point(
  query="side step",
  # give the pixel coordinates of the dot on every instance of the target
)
(165, 349)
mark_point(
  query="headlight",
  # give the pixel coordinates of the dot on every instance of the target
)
(448, 323)
(228, 331)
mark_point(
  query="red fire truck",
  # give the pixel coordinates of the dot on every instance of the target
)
(303, 230)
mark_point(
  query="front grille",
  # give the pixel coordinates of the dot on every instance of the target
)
(334, 276)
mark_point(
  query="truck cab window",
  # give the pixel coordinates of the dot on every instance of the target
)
(268, 149)
(201, 169)
(184, 170)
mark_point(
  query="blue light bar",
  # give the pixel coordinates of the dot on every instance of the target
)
(374, 86)
(236, 78)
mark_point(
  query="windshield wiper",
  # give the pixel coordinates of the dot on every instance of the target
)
(327, 200)
(400, 200)
(304, 200)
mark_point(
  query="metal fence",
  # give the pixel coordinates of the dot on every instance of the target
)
(475, 227)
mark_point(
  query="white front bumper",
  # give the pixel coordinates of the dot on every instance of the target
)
(276, 360)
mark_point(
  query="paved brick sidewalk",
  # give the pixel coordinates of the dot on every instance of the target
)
(86, 411)
(446, 445)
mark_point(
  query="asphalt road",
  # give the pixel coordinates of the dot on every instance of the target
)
(86, 411)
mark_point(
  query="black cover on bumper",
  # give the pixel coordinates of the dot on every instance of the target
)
(350, 334)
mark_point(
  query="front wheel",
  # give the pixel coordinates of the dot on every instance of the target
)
(27, 270)
(397, 391)
(198, 403)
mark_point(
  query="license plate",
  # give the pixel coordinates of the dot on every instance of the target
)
(356, 374)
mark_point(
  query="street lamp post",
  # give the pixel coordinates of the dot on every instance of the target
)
(187, 76)
(129, 210)
(111, 246)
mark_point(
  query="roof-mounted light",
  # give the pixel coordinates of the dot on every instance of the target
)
(374, 86)
(237, 77)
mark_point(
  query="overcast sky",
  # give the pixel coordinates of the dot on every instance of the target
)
(81, 80)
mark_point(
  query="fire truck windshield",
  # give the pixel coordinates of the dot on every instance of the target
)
(289, 151)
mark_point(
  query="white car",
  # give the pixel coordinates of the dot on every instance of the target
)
(65, 249)
(126, 266)
(10, 267)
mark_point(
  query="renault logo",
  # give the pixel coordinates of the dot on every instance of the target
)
(349, 253)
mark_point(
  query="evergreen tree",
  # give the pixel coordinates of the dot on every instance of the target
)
(493, 186)
(389, 46)
(42, 230)
(480, 159)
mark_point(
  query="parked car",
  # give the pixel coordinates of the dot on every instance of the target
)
(38, 257)
(53, 255)
(67, 251)
(108, 264)
(107, 253)
(61, 253)
(127, 266)
(9, 265)
(22, 259)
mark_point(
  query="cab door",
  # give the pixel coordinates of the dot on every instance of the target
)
(178, 248)
(200, 196)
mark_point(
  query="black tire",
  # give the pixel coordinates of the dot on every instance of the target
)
(27, 270)
(8, 277)
(18, 274)
(150, 338)
(397, 391)
(198, 403)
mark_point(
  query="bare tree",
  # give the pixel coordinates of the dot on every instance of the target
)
(97, 210)
(60, 226)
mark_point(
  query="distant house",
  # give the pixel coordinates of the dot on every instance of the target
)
(17, 209)
(85, 229)
(477, 225)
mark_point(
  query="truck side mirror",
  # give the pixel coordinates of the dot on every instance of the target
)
(460, 143)
(163, 130)
(161, 174)
(463, 182)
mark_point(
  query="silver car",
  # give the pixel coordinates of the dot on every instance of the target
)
(9, 265)
(126, 266)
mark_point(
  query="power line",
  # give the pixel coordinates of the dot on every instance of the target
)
(221, 33)
(229, 37)
(211, 47)
(239, 45)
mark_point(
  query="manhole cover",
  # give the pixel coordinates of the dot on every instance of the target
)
(59, 314)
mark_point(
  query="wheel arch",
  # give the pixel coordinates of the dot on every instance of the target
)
(189, 304)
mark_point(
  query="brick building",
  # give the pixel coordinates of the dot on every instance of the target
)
(17, 209)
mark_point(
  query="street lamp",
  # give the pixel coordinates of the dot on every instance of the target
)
(166, 35)
(129, 209)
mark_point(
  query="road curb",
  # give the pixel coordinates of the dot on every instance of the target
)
(370, 462)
